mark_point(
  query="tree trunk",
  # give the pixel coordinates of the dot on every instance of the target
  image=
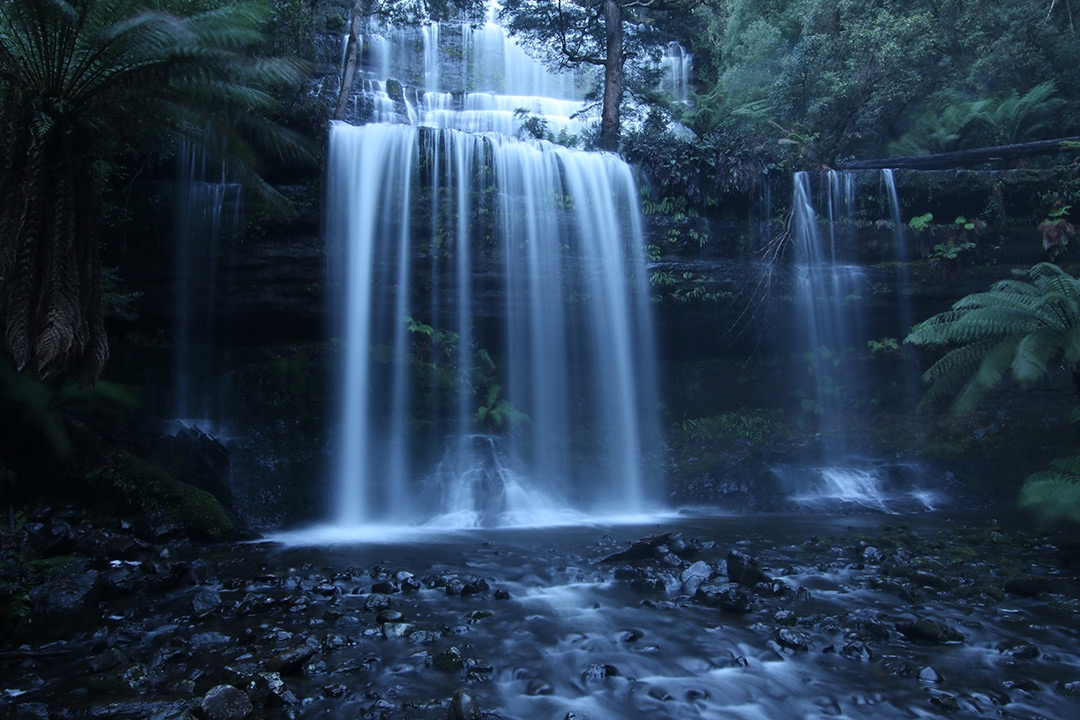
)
(613, 77)
(352, 56)
(962, 158)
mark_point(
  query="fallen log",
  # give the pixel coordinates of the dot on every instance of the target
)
(965, 158)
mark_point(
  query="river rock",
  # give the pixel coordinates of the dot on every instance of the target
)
(648, 585)
(271, 691)
(857, 651)
(205, 602)
(292, 660)
(224, 702)
(597, 671)
(726, 596)
(463, 707)
(449, 661)
(791, 639)
(930, 676)
(70, 596)
(693, 576)
(743, 569)
(928, 632)
(1028, 585)
(385, 616)
(1019, 650)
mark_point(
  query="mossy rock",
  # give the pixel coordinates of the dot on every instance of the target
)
(135, 484)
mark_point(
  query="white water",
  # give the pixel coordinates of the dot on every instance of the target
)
(828, 297)
(496, 333)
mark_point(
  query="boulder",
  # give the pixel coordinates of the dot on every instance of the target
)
(224, 702)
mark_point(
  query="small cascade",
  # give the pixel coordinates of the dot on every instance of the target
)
(828, 291)
(207, 220)
(900, 253)
(494, 308)
(676, 65)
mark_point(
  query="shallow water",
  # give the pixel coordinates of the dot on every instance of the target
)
(574, 636)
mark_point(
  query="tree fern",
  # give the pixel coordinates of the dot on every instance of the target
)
(1016, 330)
(82, 83)
(1054, 494)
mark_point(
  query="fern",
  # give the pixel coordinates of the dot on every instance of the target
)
(1054, 494)
(1015, 330)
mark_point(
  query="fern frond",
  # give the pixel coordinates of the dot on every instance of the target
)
(1053, 495)
(1033, 353)
(992, 371)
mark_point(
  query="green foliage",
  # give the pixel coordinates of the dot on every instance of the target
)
(85, 86)
(884, 345)
(1054, 494)
(920, 222)
(1056, 230)
(496, 412)
(137, 485)
(1015, 330)
(748, 425)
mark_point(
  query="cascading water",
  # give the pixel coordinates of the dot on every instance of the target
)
(208, 217)
(497, 343)
(830, 294)
(827, 298)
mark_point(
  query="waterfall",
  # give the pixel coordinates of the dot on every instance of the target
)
(492, 301)
(207, 219)
(828, 294)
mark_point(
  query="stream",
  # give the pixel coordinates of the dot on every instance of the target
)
(863, 615)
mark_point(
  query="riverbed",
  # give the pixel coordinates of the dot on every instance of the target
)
(710, 616)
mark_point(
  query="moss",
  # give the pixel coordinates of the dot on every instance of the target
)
(139, 485)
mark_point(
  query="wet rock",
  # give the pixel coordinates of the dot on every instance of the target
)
(107, 660)
(454, 586)
(896, 665)
(871, 555)
(69, 597)
(293, 660)
(335, 691)
(791, 640)
(31, 711)
(928, 632)
(476, 586)
(392, 630)
(209, 639)
(945, 702)
(270, 691)
(205, 602)
(463, 707)
(874, 630)
(224, 702)
(423, 637)
(744, 570)
(121, 579)
(385, 587)
(449, 661)
(930, 676)
(255, 604)
(376, 602)
(856, 651)
(1028, 585)
(1019, 650)
(649, 585)
(478, 615)
(389, 616)
(785, 618)
(55, 537)
(1068, 689)
(597, 671)
(1026, 686)
(693, 577)
(647, 548)
(726, 596)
